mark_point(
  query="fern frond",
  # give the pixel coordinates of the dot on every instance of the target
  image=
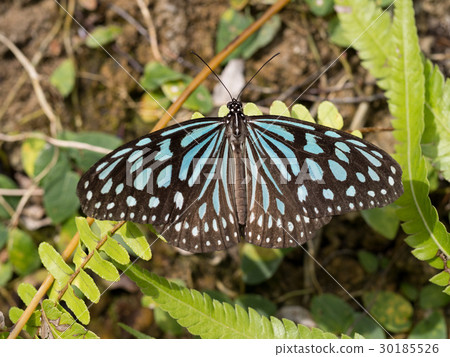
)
(406, 102)
(209, 318)
(367, 28)
(396, 62)
(436, 137)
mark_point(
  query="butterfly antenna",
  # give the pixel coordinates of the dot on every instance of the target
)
(207, 65)
(260, 68)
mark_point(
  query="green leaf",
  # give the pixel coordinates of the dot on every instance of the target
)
(33, 322)
(433, 326)
(57, 171)
(279, 108)
(87, 286)
(135, 239)
(391, 310)
(156, 74)
(6, 273)
(103, 35)
(62, 325)
(86, 158)
(249, 109)
(63, 77)
(260, 304)
(392, 54)
(367, 327)
(22, 252)
(30, 150)
(368, 261)
(6, 182)
(88, 237)
(328, 115)
(337, 33)
(332, 313)
(152, 106)
(167, 323)
(14, 314)
(209, 318)
(259, 264)
(231, 24)
(382, 220)
(133, 332)
(115, 251)
(26, 292)
(3, 235)
(60, 199)
(441, 279)
(98, 265)
(374, 47)
(264, 36)
(54, 263)
(200, 100)
(436, 136)
(406, 102)
(299, 111)
(431, 296)
(409, 290)
(320, 7)
(76, 305)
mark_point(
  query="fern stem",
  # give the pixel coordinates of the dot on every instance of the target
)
(46, 284)
(87, 259)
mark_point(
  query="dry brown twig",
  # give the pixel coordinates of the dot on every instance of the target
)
(143, 6)
(55, 125)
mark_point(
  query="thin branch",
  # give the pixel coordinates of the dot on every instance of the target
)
(20, 191)
(37, 57)
(151, 29)
(55, 125)
(55, 142)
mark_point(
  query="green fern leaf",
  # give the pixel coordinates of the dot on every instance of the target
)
(97, 264)
(368, 29)
(406, 103)
(54, 263)
(209, 318)
(436, 137)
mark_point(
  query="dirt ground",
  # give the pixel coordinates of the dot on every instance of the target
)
(106, 98)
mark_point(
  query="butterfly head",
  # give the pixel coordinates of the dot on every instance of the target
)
(235, 106)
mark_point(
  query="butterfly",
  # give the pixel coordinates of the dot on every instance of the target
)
(272, 180)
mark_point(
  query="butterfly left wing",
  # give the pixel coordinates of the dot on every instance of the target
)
(320, 171)
(162, 179)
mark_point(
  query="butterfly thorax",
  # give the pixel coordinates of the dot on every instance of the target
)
(236, 122)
